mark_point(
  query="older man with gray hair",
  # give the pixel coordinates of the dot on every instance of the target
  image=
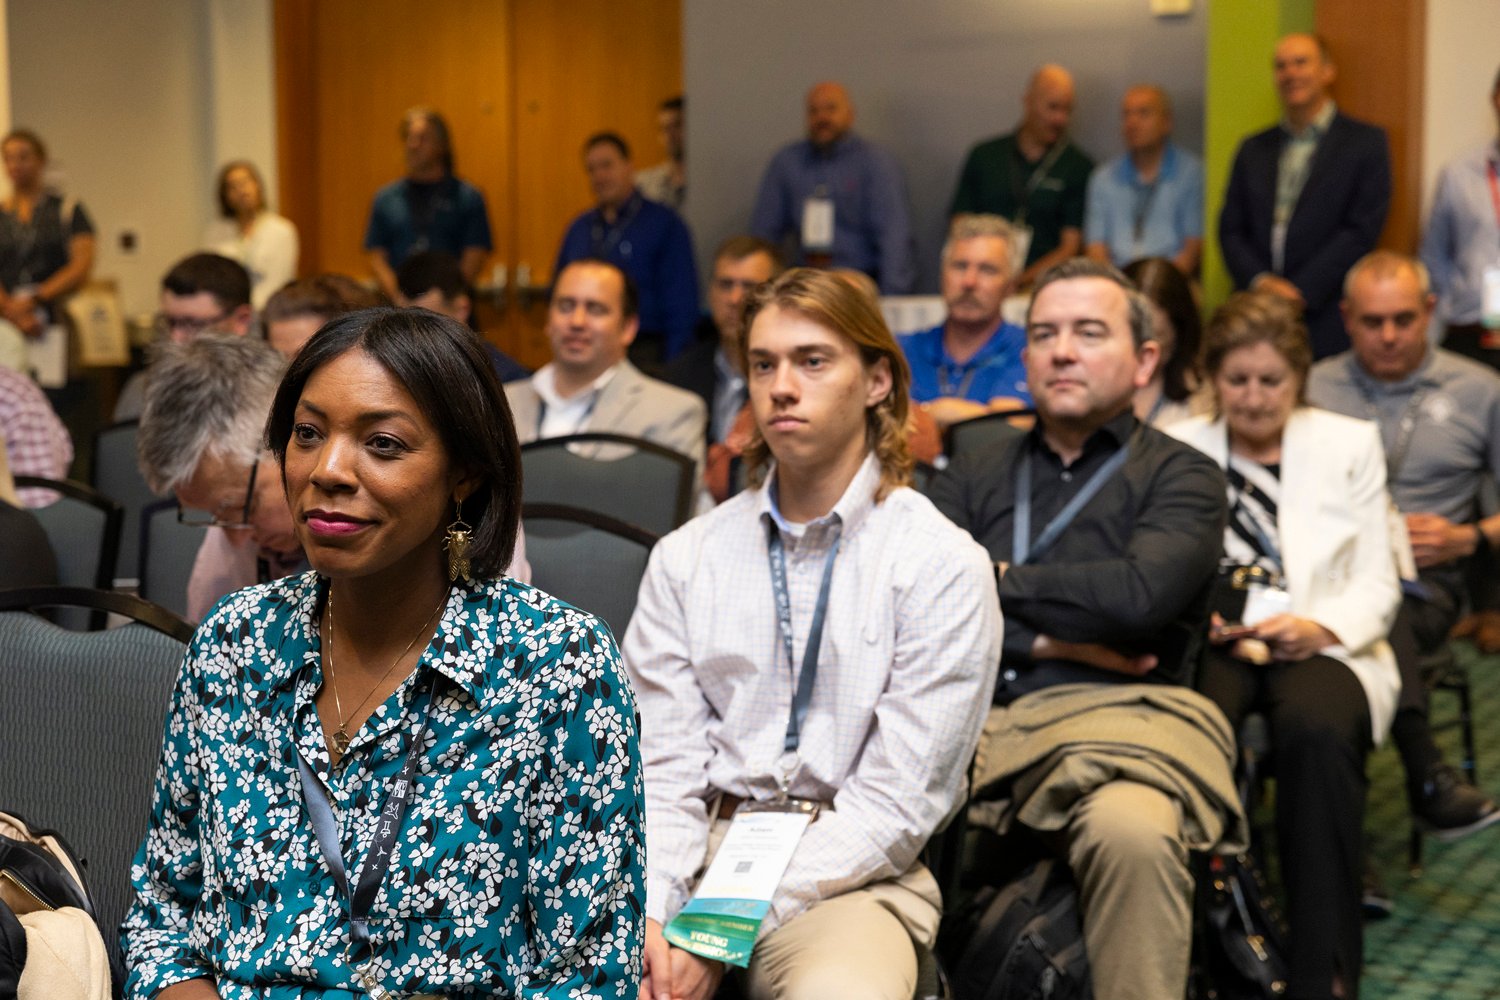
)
(202, 437)
(970, 364)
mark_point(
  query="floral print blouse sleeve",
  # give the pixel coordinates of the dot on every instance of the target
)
(517, 871)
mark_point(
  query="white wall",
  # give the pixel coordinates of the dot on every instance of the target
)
(138, 103)
(1462, 59)
(928, 79)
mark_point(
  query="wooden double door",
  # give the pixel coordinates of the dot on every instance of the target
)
(522, 83)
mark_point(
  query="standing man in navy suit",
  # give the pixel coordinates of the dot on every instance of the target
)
(1307, 197)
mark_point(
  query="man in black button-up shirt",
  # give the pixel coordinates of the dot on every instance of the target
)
(1103, 619)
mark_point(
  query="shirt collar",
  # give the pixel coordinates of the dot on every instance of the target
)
(1129, 175)
(1001, 341)
(1317, 128)
(1113, 434)
(545, 384)
(850, 511)
(834, 148)
(1422, 374)
(725, 371)
(301, 644)
(630, 206)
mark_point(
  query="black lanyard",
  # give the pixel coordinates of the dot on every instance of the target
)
(1405, 428)
(803, 694)
(1143, 205)
(1022, 550)
(945, 382)
(1022, 195)
(601, 242)
(583, 421)
(325, 828)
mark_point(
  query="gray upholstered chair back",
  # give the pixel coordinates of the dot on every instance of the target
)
(81, 721)
(118, 476)
(590, 561)
(167, 553)
(983, 433)
(629, 479)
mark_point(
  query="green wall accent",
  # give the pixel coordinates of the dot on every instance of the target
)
(1240, 99)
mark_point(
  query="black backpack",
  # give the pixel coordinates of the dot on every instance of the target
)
(1022, 941)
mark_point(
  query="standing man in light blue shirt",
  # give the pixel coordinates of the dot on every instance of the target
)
(1462, 246)
(1148, 202)
(838, 199)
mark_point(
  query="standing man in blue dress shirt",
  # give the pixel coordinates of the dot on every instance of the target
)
(1461, 248)
(428, 209)
(970, 364)
(839, 199)
(646, 240)
(1147, 202)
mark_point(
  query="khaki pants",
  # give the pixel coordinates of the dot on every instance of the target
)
(860, 944)
(1124, 846)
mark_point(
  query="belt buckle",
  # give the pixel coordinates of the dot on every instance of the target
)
(789, 804)
(1245, 577)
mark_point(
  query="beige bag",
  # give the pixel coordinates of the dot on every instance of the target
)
(50, 946)
(65, 957)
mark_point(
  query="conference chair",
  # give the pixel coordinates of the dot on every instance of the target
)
(83, 528)
(1443, 672)
(168, 550)
(629, 479)
(118, 475)
(982, 433)
(592, 561)
(82, 715)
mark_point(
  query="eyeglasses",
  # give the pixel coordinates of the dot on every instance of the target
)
(192, 326)
(198, 519)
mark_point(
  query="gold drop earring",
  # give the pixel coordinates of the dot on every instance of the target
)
(457, 541)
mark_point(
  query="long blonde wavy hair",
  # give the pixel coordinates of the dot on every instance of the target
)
(833, 301)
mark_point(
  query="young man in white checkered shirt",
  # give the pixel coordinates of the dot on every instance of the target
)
(906, 663)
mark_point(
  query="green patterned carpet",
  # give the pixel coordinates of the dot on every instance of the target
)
(1444, 939)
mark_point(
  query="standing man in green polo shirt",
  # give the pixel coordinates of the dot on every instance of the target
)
(1035, 176)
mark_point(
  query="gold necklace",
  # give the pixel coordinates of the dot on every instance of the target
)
(339, 741)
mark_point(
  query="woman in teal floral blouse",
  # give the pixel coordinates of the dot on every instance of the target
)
(461, 745)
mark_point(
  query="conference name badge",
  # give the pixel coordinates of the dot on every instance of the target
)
(1265, 602)
(817, 223)
(1020, 243)
(1490, 298)
(723, 917)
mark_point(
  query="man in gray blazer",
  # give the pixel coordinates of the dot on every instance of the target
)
(589, 385)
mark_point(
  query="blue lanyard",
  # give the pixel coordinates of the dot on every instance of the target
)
(803, 695)
(372, 870)
(1022, 549)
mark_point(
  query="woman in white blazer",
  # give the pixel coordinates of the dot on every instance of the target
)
(1309, 590)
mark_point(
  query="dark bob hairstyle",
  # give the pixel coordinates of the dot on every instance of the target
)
(442, 364)
(1161, 282)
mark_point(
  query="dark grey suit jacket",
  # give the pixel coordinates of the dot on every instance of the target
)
(1336, 221)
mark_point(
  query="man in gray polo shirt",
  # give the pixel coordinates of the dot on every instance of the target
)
(1439, 416)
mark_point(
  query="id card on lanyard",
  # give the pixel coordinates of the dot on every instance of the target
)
(817, 222)
(723, 918)
(359, 953)
(1490, 282)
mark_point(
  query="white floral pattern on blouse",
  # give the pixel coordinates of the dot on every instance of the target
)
(518, 870)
